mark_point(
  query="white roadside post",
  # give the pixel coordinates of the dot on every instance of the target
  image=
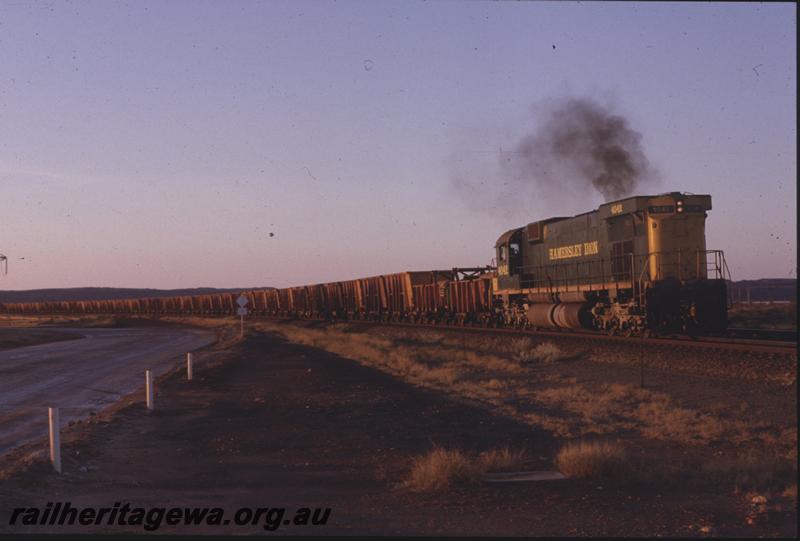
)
(242, 311)
(55, 438)
(148, 388)
(189, 366)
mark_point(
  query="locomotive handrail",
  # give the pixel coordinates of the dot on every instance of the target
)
(718, 266)
(560, 275)
(645, 267)
(725, 266)
(557, 275)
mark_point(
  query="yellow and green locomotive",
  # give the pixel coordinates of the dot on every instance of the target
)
(640, 263)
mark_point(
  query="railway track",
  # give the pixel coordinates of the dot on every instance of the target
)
(751, 340)
(763, 334)
(781, 347)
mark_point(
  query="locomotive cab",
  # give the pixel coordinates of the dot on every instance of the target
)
(509, 259)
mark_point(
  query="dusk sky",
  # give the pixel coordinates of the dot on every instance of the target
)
(159, 144)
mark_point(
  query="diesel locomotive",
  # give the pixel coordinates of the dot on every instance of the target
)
(633, 265)
(636, 265)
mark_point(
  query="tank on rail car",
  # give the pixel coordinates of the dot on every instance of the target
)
(633, 264)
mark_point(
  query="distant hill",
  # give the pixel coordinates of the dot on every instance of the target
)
(105, 293)
(764, 290)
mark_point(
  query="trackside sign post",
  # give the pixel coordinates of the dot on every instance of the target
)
(242, 311)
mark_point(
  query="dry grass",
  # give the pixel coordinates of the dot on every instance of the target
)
(547, 352)
(22, 321)
(524, 351)
(753, 472)
(428, 338)
(494, 372)
(480, 360)
(504, 459)
(597, 459)
(605, 409)
(442, 469)
(495, 384)
(764, 316)
(428, 363)
(447, 375)
(763, 472)
(512, 378)
(86, 320)
(207, 322)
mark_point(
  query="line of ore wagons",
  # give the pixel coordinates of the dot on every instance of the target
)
(413, 296)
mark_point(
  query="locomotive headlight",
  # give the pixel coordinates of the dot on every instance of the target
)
(680, 206)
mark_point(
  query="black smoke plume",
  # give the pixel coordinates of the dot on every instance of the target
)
(582, 144)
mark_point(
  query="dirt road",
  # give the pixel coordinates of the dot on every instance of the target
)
(83, 375)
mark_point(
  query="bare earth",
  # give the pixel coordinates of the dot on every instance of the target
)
(20, 337)
(279, 424)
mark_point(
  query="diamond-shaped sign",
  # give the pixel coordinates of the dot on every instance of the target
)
(242, 300)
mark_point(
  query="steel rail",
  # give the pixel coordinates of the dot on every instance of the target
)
(707, 342)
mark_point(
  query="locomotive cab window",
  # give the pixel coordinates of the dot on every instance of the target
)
(514, 257)
(502, 252)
